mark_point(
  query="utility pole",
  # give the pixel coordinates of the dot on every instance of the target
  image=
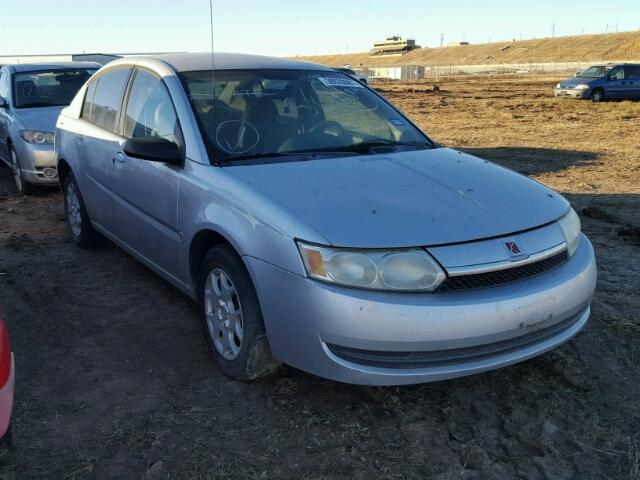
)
(441, 40)
(553, 30)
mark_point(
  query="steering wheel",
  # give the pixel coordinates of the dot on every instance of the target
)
(330, 127)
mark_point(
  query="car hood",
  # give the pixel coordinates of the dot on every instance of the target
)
(43, 118)
(417, 198)
(572, 82)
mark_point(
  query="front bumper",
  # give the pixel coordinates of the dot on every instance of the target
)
(349, 335)
(38, 163)
(572, 93)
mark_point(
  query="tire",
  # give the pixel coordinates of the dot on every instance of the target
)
(597, 95)
(23, 187)
(232, 318)
(80, 228)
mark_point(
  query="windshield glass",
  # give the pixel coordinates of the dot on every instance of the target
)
(48, 88)
(593, 72)
(260, 112)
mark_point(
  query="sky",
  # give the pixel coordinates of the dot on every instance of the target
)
(289, 27)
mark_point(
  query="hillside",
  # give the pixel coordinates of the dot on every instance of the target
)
(582, 48)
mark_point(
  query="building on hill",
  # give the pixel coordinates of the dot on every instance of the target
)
(394, 45)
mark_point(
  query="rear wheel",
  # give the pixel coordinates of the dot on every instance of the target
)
(22, 186)
(232, 318)
(82, 232)
(597, 95)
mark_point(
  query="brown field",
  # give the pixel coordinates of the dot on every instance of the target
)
(578, 48)
(114, 378)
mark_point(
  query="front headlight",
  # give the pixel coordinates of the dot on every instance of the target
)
(38, 137)
(582, 86)
(571, 227)
(395, 270)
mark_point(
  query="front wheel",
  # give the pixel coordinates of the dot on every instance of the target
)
(82, 232)
(232, 318)
(597, 95)
(22, 186)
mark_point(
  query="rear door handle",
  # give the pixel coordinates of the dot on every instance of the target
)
(119, 158)
(80, 139)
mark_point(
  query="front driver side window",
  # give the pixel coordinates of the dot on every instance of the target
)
(617, 74)
(150, 111)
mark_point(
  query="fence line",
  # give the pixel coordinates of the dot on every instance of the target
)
(416, 73)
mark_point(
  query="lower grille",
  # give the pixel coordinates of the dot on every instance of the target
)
(441, 358)
(501, 277)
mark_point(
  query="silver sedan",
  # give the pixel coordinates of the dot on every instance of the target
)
(31, 98)
(316, 224)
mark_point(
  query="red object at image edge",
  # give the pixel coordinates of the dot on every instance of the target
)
(5, 355)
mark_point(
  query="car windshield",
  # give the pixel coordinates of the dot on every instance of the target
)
(260, 113)
(48, 87)
(593, 72)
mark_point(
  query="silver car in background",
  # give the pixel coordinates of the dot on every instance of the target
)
(316, 225)
(31, 98)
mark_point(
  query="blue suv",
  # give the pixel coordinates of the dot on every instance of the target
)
(599, 83)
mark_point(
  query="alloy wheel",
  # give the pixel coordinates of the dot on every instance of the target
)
(223, 314)
(17, 173)
(73, 210)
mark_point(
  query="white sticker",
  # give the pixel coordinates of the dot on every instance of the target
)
(340, 82)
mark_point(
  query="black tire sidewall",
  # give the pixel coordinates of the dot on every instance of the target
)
(225, 258)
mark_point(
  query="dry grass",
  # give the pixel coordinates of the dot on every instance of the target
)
(614, 46)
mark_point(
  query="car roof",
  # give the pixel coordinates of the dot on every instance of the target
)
(189, 62)
(35, 67)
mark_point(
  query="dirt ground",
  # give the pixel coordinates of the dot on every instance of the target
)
(114, 379)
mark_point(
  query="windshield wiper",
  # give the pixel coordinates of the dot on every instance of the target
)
(356, 147)
(260, 156)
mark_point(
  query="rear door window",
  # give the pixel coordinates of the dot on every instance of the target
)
(105, 108)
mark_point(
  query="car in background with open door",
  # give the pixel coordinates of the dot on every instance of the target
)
(362, 78)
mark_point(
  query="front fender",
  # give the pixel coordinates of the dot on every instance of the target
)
(211, 199)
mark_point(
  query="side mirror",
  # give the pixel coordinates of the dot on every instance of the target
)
(154, 149)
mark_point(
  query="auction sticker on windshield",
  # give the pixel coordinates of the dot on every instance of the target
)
(340, 82)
